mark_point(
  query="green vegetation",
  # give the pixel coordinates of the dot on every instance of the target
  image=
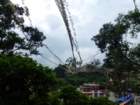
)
(69, 96)
(15, 36)
(121, 56)
(72, 97)
(25, 82)
(101, 101)
(86, 77)
(92, 74)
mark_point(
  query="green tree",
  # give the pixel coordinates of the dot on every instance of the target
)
(61, 71)
(54, 98)
(134, 55)
(71, 96)
(24, 82)
(112, 40)
(15, 36)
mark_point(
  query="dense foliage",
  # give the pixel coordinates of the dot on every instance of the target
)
(101, 101)
(84, 77)
(121, 55)
(91, 73)
(111, 39)
(15, 36)
(24, 82)
(71, 96)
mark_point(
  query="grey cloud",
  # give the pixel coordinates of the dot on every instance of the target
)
(88, 16)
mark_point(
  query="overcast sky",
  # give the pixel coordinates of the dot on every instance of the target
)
(88, 16)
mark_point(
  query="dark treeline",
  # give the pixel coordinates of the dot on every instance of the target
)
(23, 81)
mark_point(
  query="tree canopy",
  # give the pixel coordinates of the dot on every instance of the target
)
(24, 82)
(122, 56)
(15, 36)
(71, 96)
(112, 40)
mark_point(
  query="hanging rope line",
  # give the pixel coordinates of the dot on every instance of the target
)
(44, 59)
(135, 5)
(62, 10)
(74, 31)
(54, 63)
(49, 60)
(66, 15)
(67, 18)
(51, 52)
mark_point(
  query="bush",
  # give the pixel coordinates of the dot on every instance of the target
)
(71, 96)
(24, 82)
(101, 101)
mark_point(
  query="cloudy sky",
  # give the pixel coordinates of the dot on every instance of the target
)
(88, 16)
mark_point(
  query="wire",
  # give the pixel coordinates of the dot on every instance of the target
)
(61, 6)
(53, 53)
(135, 5)
(49, 60)
(93, 56)
(43, 58)
(67, 68)
(62, 10)
(23, 3)
(74, 32)
(67, 18)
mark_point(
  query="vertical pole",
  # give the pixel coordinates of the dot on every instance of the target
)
(135, 5)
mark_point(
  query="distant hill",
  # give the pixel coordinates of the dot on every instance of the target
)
(86, 77)
(84, 74)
